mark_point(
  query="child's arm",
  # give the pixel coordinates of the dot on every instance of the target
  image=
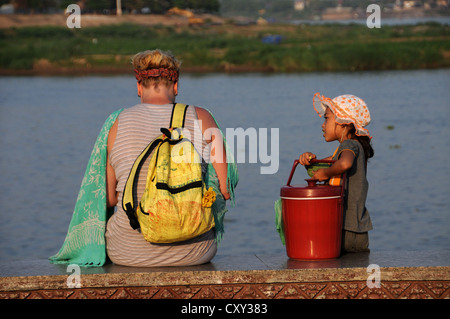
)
(343, 164)
(306, 157)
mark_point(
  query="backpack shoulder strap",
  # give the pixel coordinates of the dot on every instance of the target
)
(130, 189)
(178, 115)
(129, 194)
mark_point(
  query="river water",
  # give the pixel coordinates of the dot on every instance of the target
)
(48, 126)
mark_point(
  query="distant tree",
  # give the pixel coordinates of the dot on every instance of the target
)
(182, 4)
(282, 6)
(201, 5)
(133, 4)
(99, 5)
(34, 5)
(158, 6)
(209, 5)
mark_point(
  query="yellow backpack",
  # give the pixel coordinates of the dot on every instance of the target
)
(175, 205)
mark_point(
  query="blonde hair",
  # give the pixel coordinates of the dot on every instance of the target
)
(155, 59)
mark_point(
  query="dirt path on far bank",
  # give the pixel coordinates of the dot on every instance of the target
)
(92, 20)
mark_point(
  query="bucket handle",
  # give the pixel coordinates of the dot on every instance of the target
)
(296, 162)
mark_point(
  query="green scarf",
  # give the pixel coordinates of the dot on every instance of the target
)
(85, 240)
(278, 206)
(84, 244)
(219, 207)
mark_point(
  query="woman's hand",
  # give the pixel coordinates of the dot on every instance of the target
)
(225, 194)
(305, 158)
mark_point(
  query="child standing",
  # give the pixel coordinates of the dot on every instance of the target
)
(345, 119)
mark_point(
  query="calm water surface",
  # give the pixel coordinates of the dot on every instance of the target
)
(48, 126)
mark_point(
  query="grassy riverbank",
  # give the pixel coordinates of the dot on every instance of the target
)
(229, 48)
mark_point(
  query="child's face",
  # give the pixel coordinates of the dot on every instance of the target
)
(329, 127)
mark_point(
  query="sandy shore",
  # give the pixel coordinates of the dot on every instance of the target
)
(92, 20)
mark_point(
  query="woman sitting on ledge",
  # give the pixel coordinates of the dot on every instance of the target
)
(127, 133)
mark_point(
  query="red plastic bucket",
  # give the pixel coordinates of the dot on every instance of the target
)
(312, 219)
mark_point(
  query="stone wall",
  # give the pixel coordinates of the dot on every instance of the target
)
(413, 275)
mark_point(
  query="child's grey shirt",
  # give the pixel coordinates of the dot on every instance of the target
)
(356, 215)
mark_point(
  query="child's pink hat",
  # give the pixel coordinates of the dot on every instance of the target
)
(347, 108)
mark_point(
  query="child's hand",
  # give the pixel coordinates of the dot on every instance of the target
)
(305, 158)
(320, 174)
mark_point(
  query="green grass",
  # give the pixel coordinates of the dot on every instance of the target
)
(304, 48)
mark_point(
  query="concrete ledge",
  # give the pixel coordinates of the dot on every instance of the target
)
(416, 274)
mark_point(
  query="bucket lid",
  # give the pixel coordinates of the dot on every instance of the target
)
(312, 190)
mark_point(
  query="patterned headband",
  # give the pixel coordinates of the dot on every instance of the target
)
(172, 75)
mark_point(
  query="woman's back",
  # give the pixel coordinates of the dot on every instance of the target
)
(138, 126)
